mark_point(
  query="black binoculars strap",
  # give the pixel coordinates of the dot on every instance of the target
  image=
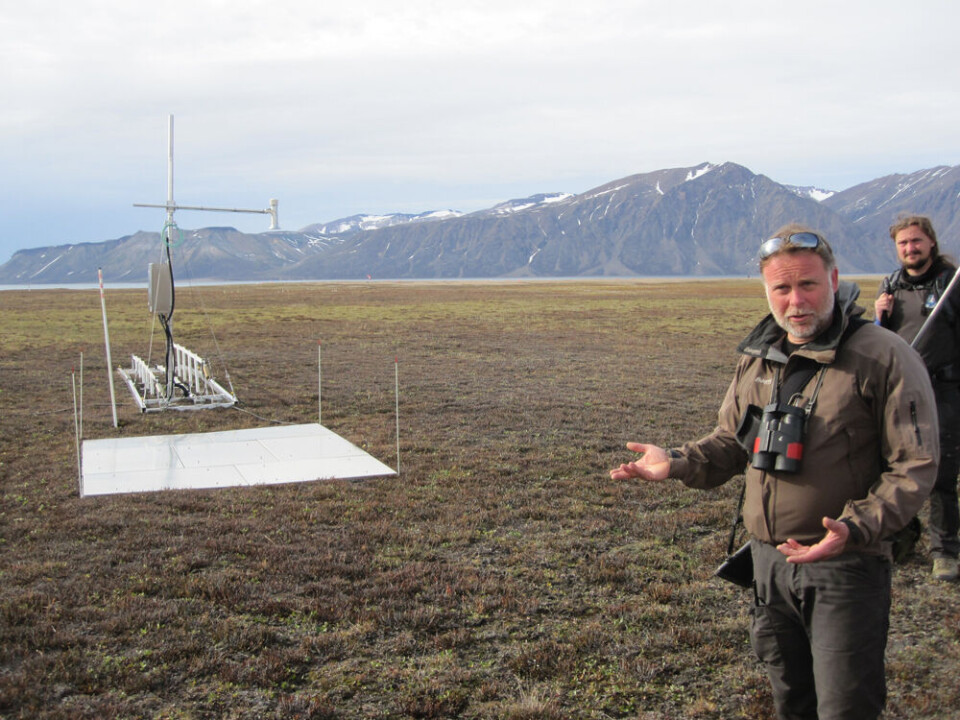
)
(796, 380)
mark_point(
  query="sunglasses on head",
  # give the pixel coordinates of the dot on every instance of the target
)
(805, 240)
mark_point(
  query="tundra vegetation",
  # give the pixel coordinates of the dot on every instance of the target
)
(501, 575)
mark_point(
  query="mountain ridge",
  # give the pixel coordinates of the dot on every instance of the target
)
(704, 220)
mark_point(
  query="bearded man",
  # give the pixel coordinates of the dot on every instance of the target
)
(907, 298)
(833, 471)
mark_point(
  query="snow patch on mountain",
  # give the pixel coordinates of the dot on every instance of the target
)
(699, 171)
(814, 193)
(363, 223)
(511, 207)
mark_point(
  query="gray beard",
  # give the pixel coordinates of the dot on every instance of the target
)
(823, 322)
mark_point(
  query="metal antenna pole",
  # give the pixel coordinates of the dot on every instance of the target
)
(272, 210)
(170, 364)
(207, 393)
(170, 204)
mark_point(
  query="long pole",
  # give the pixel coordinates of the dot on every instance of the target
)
(396, 388)
(81, 393)
(319, 385)
(106, 339)
(170, 203)
(76, 429)
(929, 321)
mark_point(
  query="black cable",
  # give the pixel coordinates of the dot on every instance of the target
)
(165, 320)
(173, 295)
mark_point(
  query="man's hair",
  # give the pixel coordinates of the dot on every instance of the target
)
(823, 249)
(922, 222)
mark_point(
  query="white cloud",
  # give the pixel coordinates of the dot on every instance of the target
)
(376, 106)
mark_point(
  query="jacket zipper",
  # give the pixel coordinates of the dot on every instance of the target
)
(913, 418)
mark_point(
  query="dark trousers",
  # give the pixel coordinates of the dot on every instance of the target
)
(944, 510)
(821, 630)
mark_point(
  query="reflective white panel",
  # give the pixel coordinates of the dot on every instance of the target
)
(233, 458)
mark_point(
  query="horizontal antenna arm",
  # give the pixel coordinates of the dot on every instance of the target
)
(170, 207)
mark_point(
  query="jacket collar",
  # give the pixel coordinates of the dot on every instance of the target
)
(765, 340)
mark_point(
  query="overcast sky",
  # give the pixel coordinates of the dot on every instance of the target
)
(378, 106)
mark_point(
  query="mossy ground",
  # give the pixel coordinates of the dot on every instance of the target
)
(501, 575)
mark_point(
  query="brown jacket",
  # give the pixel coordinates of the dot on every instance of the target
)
(870, 448)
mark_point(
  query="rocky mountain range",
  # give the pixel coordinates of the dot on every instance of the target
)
(706, 220)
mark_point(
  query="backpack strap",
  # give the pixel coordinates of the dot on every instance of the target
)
(892, 281)
(941, 281)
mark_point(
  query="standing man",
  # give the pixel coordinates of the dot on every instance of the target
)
(905, 301)
(852, 457)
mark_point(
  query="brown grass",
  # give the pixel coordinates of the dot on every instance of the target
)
(501, 575)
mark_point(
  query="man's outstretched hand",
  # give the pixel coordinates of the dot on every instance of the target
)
(653, 464)
(832, 544)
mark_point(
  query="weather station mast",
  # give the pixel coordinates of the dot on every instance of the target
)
(186, 383)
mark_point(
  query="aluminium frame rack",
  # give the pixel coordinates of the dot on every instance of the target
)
(198, 390)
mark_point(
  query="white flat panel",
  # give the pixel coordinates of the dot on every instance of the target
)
(198, 453)
(231, 458)
(154, 480)
(324, 447)
(132, 456)
(341, 468)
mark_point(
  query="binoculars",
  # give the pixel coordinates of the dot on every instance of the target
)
(773, 436)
